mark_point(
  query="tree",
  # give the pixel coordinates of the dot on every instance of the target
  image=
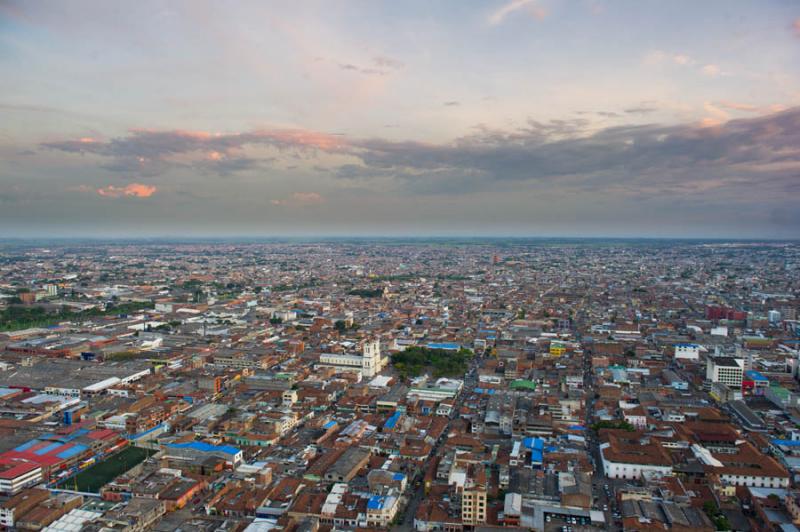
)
(340, 326)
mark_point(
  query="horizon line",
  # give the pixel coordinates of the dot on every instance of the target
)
(387, 237)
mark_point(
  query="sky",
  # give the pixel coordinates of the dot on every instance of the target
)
(498, 117)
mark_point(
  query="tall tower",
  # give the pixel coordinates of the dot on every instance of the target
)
(370, 358)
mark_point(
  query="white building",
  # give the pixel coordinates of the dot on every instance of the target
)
(727, 370)
(633, 466)
(18, 475)
(687, 351)
(381, 510)
(369, 363)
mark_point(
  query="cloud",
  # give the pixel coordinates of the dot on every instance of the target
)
(153, 152)
(667, 158)
(528, 6)
(736, 106)
(796, 27)
(133, 190)
(661, 57)
(300, 199)
(381, 66)
(719, 153)
(657, 57)
(641, 110)
(383, 61)
(452, 103)
(363, 70)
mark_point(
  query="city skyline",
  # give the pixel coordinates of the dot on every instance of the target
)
(507, 118)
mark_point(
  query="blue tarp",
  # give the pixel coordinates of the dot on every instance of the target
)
(392, 421)
(375, 502)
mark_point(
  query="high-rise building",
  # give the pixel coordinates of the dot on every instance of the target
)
(727, 370)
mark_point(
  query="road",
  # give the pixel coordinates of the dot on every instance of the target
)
(603, 489)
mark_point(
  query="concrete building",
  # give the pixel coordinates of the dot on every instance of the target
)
(727, 370)
(369, 363)
(687, 351)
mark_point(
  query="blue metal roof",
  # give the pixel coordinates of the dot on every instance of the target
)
(204, 447)
(329, 424)
(533, 443)
(444, 345)
(72, 451)
(398, 476)
(786, 443)
(48, 448)
(26, 446)
(755, 375)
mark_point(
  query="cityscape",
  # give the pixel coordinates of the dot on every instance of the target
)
(363, 266)
(411, 384)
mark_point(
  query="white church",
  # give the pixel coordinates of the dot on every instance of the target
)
(369, 363)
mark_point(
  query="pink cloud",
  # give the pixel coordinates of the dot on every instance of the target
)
(135, 190)
(711, 70)
(796, 27)
(736, 106)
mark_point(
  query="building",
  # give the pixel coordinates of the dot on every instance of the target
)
(749, 467)
(687, 351)
(17, 474)
(20, 503)
(198, 451)
(369, 363)
(347, 465)
(381, 510)
(473, 497)
(631, 455)
(727, 370)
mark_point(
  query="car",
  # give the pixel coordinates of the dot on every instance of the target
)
(605, 507)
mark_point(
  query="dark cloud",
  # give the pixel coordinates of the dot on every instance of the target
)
(451, 103)
(735, 158)
(148, 152)
(683, 157)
